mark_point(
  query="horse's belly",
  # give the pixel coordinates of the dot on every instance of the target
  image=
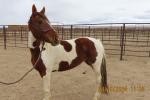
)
(64, 66)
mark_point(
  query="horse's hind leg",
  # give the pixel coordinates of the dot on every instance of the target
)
(101, 78)
(98, 82)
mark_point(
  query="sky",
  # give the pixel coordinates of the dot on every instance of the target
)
(76, 11)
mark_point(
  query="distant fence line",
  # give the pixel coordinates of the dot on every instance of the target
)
(123, 39)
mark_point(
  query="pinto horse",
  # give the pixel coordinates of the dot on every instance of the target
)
(62, 55)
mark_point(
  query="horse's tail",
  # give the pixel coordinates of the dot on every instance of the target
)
(104, 85)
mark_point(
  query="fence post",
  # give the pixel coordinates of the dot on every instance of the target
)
(27, 35)
(148, 39)
(71, 31)
(103, 35)
(15, 32)
(122, 42)
(89, 32)
(4, 34)
(85, 31)
(21, 32)
(62, 31)
(82, 31)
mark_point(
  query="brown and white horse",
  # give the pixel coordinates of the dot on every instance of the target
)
(62, 55)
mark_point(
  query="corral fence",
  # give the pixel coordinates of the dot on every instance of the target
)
(122, 39)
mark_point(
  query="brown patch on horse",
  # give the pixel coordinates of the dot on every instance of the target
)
(63, 65)
(86, 52)
(36, 43)
(40, 67)
(67, 46)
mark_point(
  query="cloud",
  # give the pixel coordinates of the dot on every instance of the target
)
(76, 11)
(145, 17)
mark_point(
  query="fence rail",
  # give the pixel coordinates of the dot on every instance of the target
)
(122, 39)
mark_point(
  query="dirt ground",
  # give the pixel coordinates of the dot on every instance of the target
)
(128, 79)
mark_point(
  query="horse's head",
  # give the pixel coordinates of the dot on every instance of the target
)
(41, 28)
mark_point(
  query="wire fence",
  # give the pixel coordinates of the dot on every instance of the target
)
(122, 39)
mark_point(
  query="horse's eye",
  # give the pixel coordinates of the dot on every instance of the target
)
(40, 22)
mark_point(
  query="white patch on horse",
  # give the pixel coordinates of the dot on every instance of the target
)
(31, 39)
(57, 54)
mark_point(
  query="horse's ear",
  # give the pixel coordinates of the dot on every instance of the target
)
(43, 10)
(34, 9)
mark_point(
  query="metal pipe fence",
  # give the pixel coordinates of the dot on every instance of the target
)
(13, 37)
(122, 39)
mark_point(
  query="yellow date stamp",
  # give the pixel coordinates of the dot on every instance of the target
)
(123, 88)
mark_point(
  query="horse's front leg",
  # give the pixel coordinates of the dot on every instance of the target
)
(46, 84)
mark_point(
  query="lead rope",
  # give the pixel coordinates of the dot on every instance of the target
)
(21, 78)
